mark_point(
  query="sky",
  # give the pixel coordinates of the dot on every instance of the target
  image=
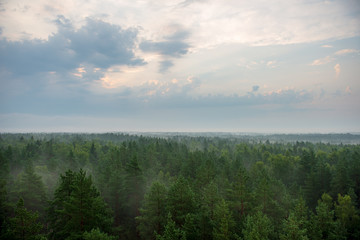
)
(289, 66)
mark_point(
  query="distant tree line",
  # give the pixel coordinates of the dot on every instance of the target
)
(120, 186)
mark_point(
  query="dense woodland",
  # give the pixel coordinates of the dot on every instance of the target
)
(119, 186)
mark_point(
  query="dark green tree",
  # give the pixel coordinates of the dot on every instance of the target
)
(257, 227)
(133, 191)
(295, 226)
(32, 190)
(171, 232)
(223, 222)
(347, 216)
(96, 234)
(77, 207)
(181, 200)
(153, 214)
(323, 225)
(25, 225)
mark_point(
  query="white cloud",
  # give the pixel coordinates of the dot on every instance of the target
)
(346, 51)
(271, 64)
(337, 69)
(327, 46)
(322, 61)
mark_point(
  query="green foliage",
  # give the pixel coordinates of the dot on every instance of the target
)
(171, 232)
(24, 225)
(32, 190)
(295, 226)
(223, 222)
(257, 227)
(96, 234)
(77, 207)
(153, 214)
(215, 187)
(181, 200)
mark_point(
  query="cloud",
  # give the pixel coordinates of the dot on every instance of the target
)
(327, 46)
(337, 70)
(255, 88)
(322, 61)
(165, 65)
(171, 48)
(271, 64)
(348, 90)
(97, 44)
(346, 51)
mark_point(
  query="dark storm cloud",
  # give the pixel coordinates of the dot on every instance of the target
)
(97, 43)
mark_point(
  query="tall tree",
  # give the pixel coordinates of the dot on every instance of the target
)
(295, 226)
(223, 222)
(153, 214)
(77, 207)
(323, 225)
(209, 200)
(96, 234)
(347, 216)
(32, 190)
(25, 225)
(181, 200)
(171, 232)
(257, 227)
(133, 190)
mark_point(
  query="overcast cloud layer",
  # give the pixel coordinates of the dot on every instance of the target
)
(205, 65)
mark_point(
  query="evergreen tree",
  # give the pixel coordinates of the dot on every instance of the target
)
(77, 207)
(223, 222)
(295, 226)
(32, 190)
(4, 172)
(257, 227)
(25, 225)
(346, 215)
(96, 234)
(181, 200)
(209, 200)
(133, 190)
(323, 225)
(153, 214)
(240, 194)
(171, 232)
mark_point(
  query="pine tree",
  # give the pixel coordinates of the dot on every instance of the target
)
(180, 200)
(257, 227)
(209, 200)
(25, 225)
(295, 226)
(96, 234)
(133, 191)
(171, 232)
(240, 193)
(32, 190)
(323, 225)
(223, 222)
(347, 216)
(153, 213)
(77, 207)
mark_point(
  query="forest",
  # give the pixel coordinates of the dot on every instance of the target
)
(166, 187)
